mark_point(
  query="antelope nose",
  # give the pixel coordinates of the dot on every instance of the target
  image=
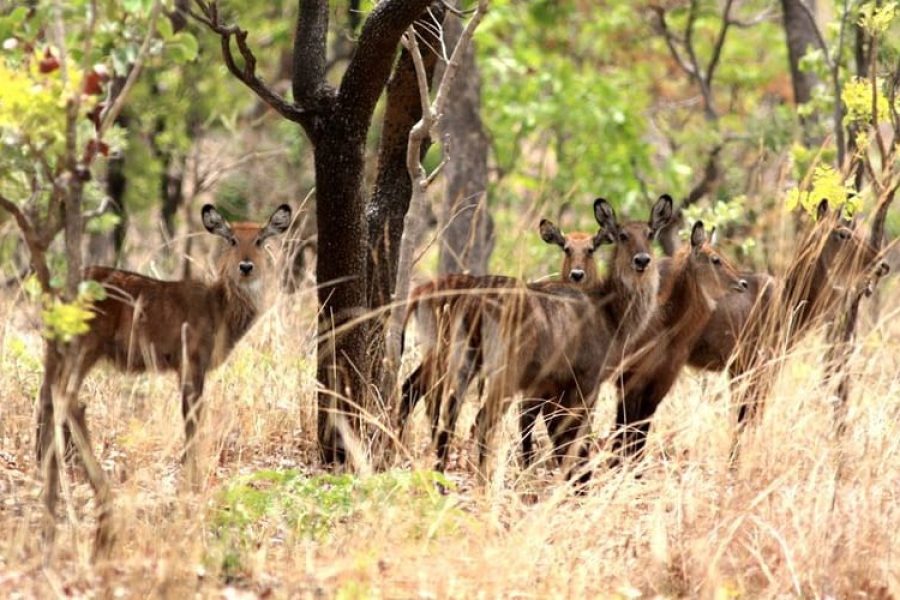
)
(641, 261)
(576, 275)
(246, 267)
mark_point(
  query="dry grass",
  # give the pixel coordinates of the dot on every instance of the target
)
(801, 514)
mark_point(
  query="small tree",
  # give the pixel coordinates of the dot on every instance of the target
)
(354, 271)
(56, 122)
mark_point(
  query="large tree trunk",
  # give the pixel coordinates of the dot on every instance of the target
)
(342, 360)
(467, 228)
(800, 32)
(337, 121)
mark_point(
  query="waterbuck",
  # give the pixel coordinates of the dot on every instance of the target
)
(746, 331)
(553, 340)
(184, 326)
(462, 292)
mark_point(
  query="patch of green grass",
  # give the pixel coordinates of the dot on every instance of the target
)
(295, 506)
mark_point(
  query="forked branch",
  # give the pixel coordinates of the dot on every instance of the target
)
(679, 46)
(415, 217)
(209, 15)
(36, 246)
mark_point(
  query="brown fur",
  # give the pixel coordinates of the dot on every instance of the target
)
(185, 326)
(697, 279)
(462, 292)
(553, 340)
(771, 316)
(578, 248)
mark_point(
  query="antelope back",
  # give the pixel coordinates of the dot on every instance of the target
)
(578, 248)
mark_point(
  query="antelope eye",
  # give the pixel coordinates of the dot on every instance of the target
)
(233, 241)
(568, 251)
(649, 234)
(716, 260)
(843, 234)
(259, 242)
(623, 237)
(590, 251)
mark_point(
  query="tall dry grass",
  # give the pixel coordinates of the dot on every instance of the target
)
(801, 513)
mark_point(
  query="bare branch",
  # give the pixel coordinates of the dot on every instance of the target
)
(671, 41)
(456, 11)
(689, 40)
(462, 45)
(34, 242)
(710, 175)
(209, 16)
(691, 65)
(413, 222)
(438, 169)
(101, 210)
(111, 113)
(753, 21)
(873, 82)
(720, 41)
(308, 81)
(835, 66)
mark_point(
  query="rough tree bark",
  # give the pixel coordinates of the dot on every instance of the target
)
(801, 36)
(336, 122)
(465, 223)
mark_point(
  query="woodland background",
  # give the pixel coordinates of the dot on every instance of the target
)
(747, 111)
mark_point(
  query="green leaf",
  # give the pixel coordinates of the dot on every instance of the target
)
(11, 22)
(164, 28)
(65, 321)
(137, 6)
(32, 287)
(184, 47)
(91, 291)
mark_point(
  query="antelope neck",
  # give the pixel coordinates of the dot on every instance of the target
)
(685, 305)
(240, 309)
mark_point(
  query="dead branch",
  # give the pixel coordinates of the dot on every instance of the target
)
(678, 47)
(209, 16)
(111, 113)
(33, 240)
(415, 217)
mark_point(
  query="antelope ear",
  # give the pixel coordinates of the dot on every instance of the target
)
(713, 236)
(698, 235)
(278, 223)
(602, 237)
(605, 216)
(215, 223)
(822, 209)
(551, 234)
(661, 213)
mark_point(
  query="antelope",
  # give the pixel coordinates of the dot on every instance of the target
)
(745, 330)
(556, 341)
(696, 279)
(429, 300)
(578, 248)
(186, 326)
